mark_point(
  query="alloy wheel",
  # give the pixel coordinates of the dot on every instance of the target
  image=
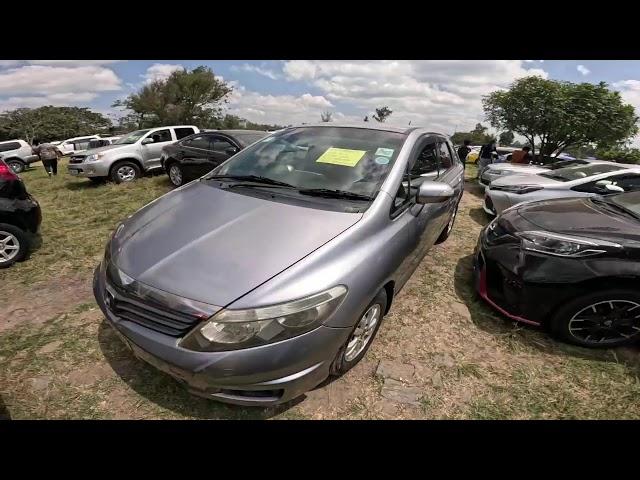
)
(363, 333)
(9, 246)
(606, 322)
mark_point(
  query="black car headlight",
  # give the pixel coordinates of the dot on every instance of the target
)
(237, 329)
(563, 245)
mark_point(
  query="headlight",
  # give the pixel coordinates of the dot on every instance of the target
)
(563, 245)
(236, 329)
(518, 189)
(93, 157)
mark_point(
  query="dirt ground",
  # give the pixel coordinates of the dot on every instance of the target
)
(440, 353)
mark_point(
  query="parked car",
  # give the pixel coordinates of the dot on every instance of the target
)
(197, 154)
(75, 144)
(494, 171)
(570, 265)
(129, 157)
(102, 142)
(20, 217)
(577, 181)
(18, 154)
(255, 282)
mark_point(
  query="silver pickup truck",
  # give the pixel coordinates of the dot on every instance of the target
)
(130, 156)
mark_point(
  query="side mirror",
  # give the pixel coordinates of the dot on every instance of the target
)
(433, 192)
(231, 151)
(147, 141)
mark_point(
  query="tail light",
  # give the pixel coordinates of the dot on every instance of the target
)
(6, 173)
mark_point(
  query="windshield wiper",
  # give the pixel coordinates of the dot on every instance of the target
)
(252, 178)
(329, 193)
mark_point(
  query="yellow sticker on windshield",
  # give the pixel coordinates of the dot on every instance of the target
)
(341, 156)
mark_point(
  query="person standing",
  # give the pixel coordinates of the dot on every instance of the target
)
(48, 155)
(463, 151)
(487, 153)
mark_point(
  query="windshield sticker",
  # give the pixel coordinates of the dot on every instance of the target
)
(384, 152)
(341, 156)
(382, 160)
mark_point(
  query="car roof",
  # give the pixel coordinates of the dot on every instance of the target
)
(372, 126)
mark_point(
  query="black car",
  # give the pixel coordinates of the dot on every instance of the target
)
(570, 265)
(197, 154)
(20, 217)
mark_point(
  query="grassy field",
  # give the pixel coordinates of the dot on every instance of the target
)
(59, 359)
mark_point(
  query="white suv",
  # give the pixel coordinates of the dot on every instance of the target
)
(127, 158)
(75, 144)
(17, 154)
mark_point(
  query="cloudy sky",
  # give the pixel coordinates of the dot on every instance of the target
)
(442, 95)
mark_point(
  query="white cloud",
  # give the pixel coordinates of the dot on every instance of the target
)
(583, 70)
(256, 69)
(72, 63)
(441, 94)
(8, 63)
(160, 71)
(42, 79)
(630, 93)
(59, 100)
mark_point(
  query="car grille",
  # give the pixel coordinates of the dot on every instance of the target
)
(154, 317)
(77, 159)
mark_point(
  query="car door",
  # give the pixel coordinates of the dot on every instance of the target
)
(195, 153)
(222, 148)
(627, 182)
(151, 152)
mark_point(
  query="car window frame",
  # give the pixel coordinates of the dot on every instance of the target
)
(226, 139)
(207, 136)
(10, 149)
(175, 133)
(420, 143)
(153, 132)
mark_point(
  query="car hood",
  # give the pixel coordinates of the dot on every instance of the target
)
(214, 245)
(579, 216)
(525, 169)
(104, 149)
(525, 179)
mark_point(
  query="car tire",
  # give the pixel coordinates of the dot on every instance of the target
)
(176, 174)
(586, 319)
(351, 353)
(124, 172)
(16, 165)
(12, 236)
(449, 227)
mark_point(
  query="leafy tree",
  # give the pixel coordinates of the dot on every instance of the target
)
(558, 115)
(622, 155)
(382, 114)
(477, 136)
(326, 116)
(187, 97)
(52, 123)
(506, 138)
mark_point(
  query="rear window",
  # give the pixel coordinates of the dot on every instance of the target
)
(183, 132)
(6, 147)
(581, 171)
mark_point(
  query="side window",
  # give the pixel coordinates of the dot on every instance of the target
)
(183, 132)
(6, 147)
(426, 164)
(199, 141)
(446, 161)
(161, 136)
(629, 183)
(220, 145)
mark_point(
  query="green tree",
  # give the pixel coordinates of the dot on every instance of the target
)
(477, 136)
(185, 97)
(506, 138)
(558, 115)
(622, 155)
(382, 114)
(52, 123)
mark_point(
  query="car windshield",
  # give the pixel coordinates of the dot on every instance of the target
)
(568, 174)
(628, 201)
(354, 160)
(249, 138)
(133, 137)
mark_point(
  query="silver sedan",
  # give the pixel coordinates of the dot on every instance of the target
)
(577, 181)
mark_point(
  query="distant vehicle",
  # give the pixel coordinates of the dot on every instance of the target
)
(75, 144)
(17, 154)
(56, 142)
(102, 142)
(598, 178)
(571, 265)
(198, 154)
(494, 171)
(131, 156)
(20, 217)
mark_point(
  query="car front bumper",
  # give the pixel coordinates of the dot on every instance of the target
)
(88, 169)
(261, 376)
